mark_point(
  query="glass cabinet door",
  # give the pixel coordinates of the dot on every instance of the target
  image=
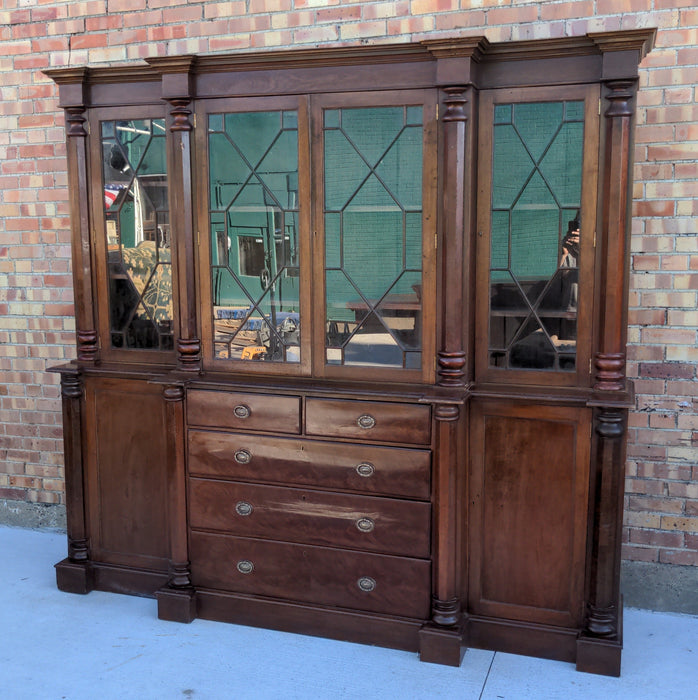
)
(373, 236)
(253, 182)
(137, 229)
(375, 268)
(537, 223)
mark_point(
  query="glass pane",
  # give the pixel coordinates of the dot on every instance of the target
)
(138, 233)
(536, 199)
(373, 236)
(253, 175)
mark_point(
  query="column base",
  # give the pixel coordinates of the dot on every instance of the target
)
(601, 656)
(441, 645)
(74, 577)
(176, 604)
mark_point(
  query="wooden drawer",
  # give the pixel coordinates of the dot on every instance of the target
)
(368, 523)
(369, 420)
(309, 574)
(240, 411)
(392, 471)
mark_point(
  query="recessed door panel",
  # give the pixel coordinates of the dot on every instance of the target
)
(528, 519)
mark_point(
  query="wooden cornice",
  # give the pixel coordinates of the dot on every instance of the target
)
(477, 49)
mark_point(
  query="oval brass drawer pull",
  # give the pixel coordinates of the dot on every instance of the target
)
(242, 457)
(366, 584)
(242, 411)
(243, 508)
(365, 469)
(365, 524)
(366, 422)
(245, 566)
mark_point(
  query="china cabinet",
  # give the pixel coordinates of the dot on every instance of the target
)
(351, 340)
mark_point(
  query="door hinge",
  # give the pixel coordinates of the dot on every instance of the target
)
(599, 106)
(594, 238)
(193, 120)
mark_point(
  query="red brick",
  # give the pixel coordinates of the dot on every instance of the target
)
(98, 24)
(667, 370)
(566, 10)
(514, 15)
(654, 207)
(338, 14)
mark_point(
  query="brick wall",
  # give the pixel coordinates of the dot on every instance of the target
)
(36, 322)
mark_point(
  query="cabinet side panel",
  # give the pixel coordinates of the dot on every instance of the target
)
(531, 476)
(127, 473)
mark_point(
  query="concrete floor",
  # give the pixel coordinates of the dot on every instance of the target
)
(59, 646)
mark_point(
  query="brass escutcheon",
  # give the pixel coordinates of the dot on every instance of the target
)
(245, 566)
(242, 411)
(365, 524)
(366, 421)
(365, 469)
(242, 457)
(366, 584)
(243, 508)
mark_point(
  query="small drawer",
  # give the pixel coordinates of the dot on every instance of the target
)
(369, 523)
(309, 574)
(224, 409)
(390, 471)
(369, 420)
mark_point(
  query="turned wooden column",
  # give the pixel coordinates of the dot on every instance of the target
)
(609, 361)
(74, 574)
(176, 601)
(178, 92)
(599, 645)
(452, 355)
(441, 640)
(72, 98)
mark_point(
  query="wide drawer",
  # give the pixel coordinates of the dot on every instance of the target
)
(393, 471)
(310, 574)
(369, 420)
(241, 411)
(368, 523)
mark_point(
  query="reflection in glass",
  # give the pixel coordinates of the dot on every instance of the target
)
(253, 179)
(534, 257)
(373, 236)
(138, 233)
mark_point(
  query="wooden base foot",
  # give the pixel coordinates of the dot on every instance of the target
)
(176, 604)
(438, 645)
(73, 577)
(600, 656)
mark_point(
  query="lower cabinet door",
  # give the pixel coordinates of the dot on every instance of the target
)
(529, 489)
(317, 575)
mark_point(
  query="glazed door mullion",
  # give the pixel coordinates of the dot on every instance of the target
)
(253, 193)
(537, 219)
(374, 192)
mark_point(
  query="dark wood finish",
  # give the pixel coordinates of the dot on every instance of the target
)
(528, 515)
(241, 411)
(73, 100)
(368, 420)
(176, 602)
(368, 523)
(289, 616)
(387, 471)
(429, 509)
(309, 574)
(73, 574)
(177, 90)
(127, 456)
